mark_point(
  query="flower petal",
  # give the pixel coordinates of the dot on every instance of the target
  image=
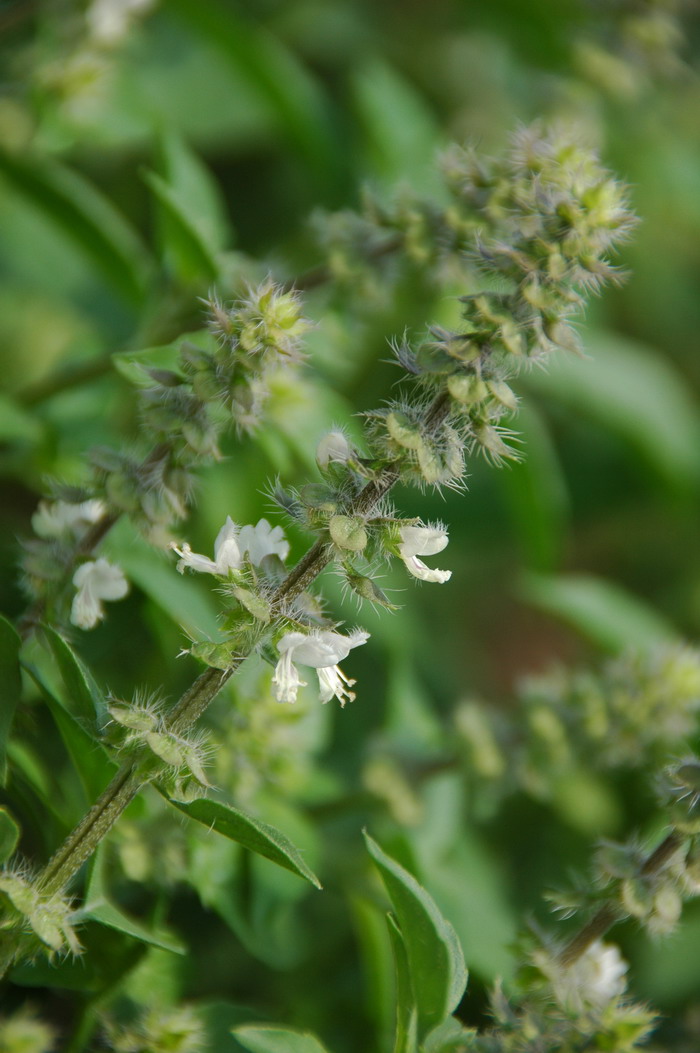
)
(422, 541)
(263, 540)
(188, 558)
(227, 554)
(286, 678)
(419, 570)
(333, 447)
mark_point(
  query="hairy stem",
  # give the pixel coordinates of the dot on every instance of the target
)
(609, 914)
(82, 842)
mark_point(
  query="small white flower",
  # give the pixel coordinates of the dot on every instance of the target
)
(57, 518)
(334, 446)
(423, 541)
(96, 581)
(232, 545)
(262, 540)
(321, 650)
(227, 554)
(595, 978)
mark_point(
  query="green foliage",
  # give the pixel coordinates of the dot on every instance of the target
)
(217, 217)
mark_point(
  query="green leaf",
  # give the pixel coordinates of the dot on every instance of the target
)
(83, 698)
(435, 958)
(292, 94)
(406, 1040)
(378, 967)
(11, 681)
(195, 188)
(402, 134)
(635, 393)
(99, 907)
(87, 217)
(600, 610)
(185, 248)
(134, 365)
(9, 835)
(182, 599)
(249, 832)
(264, 1038)
(89, 757)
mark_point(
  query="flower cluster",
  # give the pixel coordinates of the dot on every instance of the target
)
(141, 730)
(233, 545)
(321, 650)
(182, 418)
(628, 714)
(47, 920)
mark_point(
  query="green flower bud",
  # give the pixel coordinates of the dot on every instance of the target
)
(348, 532)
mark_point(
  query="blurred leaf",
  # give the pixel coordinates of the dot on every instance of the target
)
(249, 832)
(9, 835)
(184, 246)
(435, 958)
(11, 680)
(537, 492)
(292, 94)
(264, 1038)
(402, 134)
(227, 879)
(83, 698)
(99, 908)
(198, 193)
(89, 757)
(637, 394)
(378, 968)
(134, 365)
(464, 878)
(181, 598)
(406, 1040)
(600, 610)
(17, 423)
(86, 217)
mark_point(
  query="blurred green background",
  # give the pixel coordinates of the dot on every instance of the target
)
(148, 151)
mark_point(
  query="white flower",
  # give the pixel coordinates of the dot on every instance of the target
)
(333, 447)
(96, 581)
(263, 540)
(595, 978)
(321, 650)
(227, 554)
(231, 546)
(56, 518)
(423, 541)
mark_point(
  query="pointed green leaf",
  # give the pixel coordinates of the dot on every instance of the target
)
(11, 681)
(9, 835)
(435, 958)
(134, 365)
(600, 610)
(184, 245)
(89, 757)
(196, 189)
(406, 1040)
(99, 907)
(250, 832)
(636, 393)
(264, 1038)
(87, 217)
(83, 698)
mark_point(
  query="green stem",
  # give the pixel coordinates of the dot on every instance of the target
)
(609, 914)
(84, 839)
